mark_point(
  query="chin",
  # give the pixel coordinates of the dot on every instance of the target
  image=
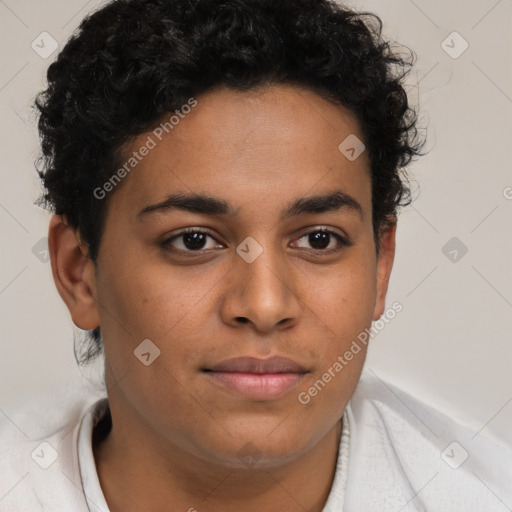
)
(260, 451)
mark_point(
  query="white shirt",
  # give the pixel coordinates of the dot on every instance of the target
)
(396, 455)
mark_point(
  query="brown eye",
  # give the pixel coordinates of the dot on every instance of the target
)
(190, 240)
(324, 241)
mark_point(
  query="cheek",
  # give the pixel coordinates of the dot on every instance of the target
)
(172, 307)
(344, 301)
(150, 299)
(344, 296)
(345, 307)
(151, 303)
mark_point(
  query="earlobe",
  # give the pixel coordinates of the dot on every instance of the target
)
(73, 273)
(384, 266)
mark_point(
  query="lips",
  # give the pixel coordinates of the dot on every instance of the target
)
(253, 365)
(257, 379)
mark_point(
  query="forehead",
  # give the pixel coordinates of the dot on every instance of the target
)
(271, 144)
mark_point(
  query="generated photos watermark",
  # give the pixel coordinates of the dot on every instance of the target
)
(151, 142)
(304, 397)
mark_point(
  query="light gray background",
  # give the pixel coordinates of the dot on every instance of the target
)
(451, 344)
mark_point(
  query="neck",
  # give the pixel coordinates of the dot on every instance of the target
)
(146, 477)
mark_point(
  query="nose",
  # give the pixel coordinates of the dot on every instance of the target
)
(262, 293)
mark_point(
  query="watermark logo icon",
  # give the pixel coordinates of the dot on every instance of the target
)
(249, 455)
(352, 147)
(454, 45)
(40, 250)
(146, 352)
(249, 249)
(44, 455)
(454, 249)
(454, 455)
(44, 45)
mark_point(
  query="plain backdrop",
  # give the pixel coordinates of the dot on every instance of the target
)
(451, 344)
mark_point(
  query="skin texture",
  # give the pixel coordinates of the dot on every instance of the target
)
(177, 439)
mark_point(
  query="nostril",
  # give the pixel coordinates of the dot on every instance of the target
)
(242, 319)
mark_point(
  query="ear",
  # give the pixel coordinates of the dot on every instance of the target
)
(384, 265)
(73, 272)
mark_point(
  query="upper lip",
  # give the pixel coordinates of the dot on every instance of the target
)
(276, 364)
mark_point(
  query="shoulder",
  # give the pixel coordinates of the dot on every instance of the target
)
(417, 458)
(38, 454)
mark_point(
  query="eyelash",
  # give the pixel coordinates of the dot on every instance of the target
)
(343, 242)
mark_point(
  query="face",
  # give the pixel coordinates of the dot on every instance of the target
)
(278, 267)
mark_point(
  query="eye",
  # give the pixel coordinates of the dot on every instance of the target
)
(324, 240)
(191, 240)
(195, 240)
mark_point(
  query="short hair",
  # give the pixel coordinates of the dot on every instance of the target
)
(134, 61)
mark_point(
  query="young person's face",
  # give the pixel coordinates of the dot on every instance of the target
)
(303, 298)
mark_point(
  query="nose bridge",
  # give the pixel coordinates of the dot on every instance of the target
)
(264, 280)
(264, 294)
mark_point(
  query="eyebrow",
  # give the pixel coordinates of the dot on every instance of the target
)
(197, 203)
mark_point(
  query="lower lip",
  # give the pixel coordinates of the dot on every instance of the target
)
(265, 386)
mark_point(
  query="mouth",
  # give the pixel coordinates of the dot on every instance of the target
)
(257, 379)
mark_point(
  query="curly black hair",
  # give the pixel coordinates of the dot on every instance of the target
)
(134, 61)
